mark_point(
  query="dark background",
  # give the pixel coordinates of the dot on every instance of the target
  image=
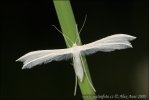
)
(27, 27)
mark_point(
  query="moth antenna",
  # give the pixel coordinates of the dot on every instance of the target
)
(91, 84)
(83, 23)
(78, 32)
(63, 35)
(57, 29)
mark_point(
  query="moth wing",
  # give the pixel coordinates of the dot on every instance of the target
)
(44, 56)
(33, 55)
(107, 44)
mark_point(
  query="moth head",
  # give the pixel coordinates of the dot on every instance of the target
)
(74, 44)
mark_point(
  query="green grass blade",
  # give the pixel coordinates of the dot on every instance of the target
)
(68, 26)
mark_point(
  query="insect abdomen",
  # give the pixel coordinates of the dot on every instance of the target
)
(78, 66)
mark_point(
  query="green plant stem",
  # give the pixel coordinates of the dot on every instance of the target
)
(68, 26)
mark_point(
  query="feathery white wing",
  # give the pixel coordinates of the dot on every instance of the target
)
(107, 44)
(34, 58)
(34, 54)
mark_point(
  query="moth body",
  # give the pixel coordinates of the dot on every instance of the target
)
(77, 62)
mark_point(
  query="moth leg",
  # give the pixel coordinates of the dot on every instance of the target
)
(75, 89)
(87, 75)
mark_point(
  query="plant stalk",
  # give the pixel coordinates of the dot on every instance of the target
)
(68, 25)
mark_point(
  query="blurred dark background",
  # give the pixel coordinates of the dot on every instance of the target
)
(27, 27)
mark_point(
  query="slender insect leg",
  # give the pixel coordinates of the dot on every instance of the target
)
(75, 89)
(87, 75)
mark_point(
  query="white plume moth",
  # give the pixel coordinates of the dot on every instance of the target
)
(107, 44)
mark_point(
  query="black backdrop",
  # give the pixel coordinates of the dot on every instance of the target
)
(27, 27)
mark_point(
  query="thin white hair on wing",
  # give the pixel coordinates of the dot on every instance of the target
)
(46, 59)
(107, 47)
(37, 54)
(115, 38)
(34, 54)
(31, 59)
(110, 43)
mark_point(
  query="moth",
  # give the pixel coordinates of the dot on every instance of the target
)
(107, 44)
